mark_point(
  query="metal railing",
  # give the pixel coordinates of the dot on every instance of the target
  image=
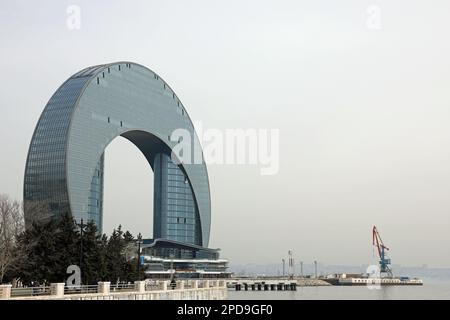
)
(30, 291)
(81, 289)
(189, 284)
(59, 289)
(152, 285)
(122, 287)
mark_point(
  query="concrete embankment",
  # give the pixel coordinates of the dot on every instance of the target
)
(140, 290)
(312, 283)
(301, 282)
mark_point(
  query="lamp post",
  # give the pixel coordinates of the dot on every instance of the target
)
(173, 283)
(315, 269)
(291, 268)
(81, 249)
(139, 241)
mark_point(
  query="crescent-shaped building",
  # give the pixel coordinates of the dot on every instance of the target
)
(64, 168)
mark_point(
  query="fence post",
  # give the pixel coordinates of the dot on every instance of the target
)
(57, 289)
(104, 287)
(5, 291)
(180, 284)
(139, 286)
(164, 285)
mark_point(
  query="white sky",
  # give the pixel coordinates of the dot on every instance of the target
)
(363, 115)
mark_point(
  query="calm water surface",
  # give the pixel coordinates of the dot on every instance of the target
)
(430, 290)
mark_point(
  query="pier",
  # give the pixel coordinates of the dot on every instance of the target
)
(265, 286)
(379, 282)
(257, 284)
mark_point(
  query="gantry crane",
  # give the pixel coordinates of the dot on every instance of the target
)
(381, 248)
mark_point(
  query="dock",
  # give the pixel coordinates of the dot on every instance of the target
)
(274, 284)
(379, 282)
(263, 286)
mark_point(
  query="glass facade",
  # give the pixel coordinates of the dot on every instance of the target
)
(188, 261)
(45, 172)
(176, 215)
(95, 205)
(64, 171)
(169, 249)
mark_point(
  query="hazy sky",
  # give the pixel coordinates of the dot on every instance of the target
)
(358, 89)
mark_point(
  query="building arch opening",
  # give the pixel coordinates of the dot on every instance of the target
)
(128, 189)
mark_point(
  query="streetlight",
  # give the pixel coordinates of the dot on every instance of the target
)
(283, 266)
(173, 283)
(291, 269)
(315, 269)
(81, 249)
(139, 241)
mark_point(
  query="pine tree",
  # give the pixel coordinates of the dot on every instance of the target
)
(40, 262)
(128, 237)
(66, 238)
(91, 254)
(46, 250)
(102, 258)
(114, 256)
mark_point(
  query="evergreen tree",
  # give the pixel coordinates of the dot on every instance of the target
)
(40, 263)
(102, 258)
(131, 253)
(66, 238)
(46, 250)
(115, 258)
(91, 254)
(128, 237)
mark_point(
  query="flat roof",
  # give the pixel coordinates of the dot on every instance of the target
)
(149, 243)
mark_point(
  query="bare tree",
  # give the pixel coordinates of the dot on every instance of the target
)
(11, 225)
(36, 212)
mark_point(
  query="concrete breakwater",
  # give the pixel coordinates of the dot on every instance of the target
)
(267, 284)
(312, 282)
